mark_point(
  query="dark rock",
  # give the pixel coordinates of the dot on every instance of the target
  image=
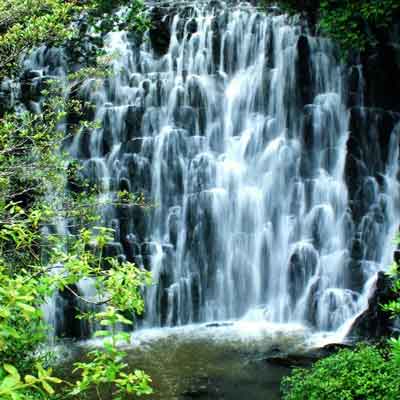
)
(312, 303)
(134, 145)
(124, 185)
(173, 223)
(191, 26)
(160, 32)
(368, 150)
(185, 118)
(6, 96)
(216, 42)
(113, 249)
(303, 70)
(131, 247)
(374, 323)
(381, 71)
(133, 121)
(67, 324)
(304, 360)
(149, 248)
(302, 266)
(218, 324)
(32, 84)
(202, 173)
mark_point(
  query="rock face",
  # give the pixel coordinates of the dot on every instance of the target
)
(160, 32)
(375, 323)
(382, 72)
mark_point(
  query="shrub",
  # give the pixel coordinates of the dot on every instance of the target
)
(360, 374)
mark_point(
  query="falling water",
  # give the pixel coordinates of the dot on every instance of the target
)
(238, 136)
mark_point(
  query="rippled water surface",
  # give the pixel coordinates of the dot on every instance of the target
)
(210, 361)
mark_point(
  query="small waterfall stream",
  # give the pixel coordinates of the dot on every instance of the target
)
(239, 135)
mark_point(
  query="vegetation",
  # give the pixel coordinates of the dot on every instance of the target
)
(368, 372)
(353, 24)
(38, 260)
(25, 24)
(364, 373)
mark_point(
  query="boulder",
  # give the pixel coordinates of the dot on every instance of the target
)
(374, 322)
(304, 360)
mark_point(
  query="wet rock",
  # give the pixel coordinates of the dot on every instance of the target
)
(216, 42)
(380, 67)
(186, 118)
(374, 323)
(191, 26)
(32, 84)
(355, 274)
(124, 185)
(303, 71)
(173, 223)
(202, 173)
(312, 303)
(133, 121)
(160, 32)
(134, 145)
(67, 324)
(218, 324)
(302, 266)
(6, 96)
(304, 360)
(131, 246)
(113, 249)
(149, 248)
(368, 150)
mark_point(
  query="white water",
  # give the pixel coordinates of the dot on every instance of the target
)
(246, 172)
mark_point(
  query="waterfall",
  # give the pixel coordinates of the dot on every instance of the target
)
(243, 139)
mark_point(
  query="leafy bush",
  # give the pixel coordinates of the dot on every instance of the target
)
(353, 24)
(33, 179)
(358, 374)
(25, 24)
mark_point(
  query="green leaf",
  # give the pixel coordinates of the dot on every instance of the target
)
(27, 308)
(47, 387)
(102, 333)
(10, 382)
(54, 379)
(29, 379)
(12, 371)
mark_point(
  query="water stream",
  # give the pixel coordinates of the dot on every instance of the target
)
(238, 135)
(242, 137)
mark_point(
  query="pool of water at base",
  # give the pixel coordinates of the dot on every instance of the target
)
(222, 361)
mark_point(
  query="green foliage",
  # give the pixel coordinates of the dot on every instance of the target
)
(28, 23)
(104, 19)
(22, 329)
(353, 24)
(363, 373)
(14, 387)
(32, 196)
(106, 368)
(25, 24)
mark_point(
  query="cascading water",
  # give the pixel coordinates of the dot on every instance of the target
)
(239, 136)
